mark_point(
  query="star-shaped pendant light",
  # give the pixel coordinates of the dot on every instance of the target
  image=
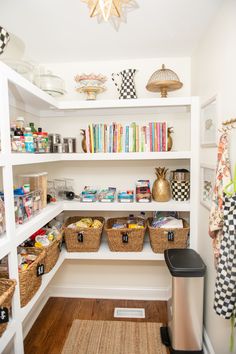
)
(114, 11)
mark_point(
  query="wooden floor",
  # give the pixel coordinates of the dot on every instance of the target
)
(50, 330)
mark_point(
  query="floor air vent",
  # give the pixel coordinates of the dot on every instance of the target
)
(129, 312)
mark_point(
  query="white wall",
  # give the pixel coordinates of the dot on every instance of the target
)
(214, 72)
(145, 68)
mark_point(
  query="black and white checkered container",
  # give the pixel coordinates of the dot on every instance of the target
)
(4, 38)
(180, 190)
(127, 88)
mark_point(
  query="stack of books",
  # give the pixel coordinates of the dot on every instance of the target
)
(132, 137)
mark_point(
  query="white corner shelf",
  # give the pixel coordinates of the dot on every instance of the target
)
(46, 278)
(104, 253)
(28, 92)
(32, 225)
(51, 211)
(116, 206)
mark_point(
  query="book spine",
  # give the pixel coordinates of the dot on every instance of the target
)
(138, 138)
(150, 136)
(92, 138)
(87, 140)
(164, 136)
(121, 138)
(160, 135)
(127, 138)
(147, 138)
(130, 138)
(156, 136)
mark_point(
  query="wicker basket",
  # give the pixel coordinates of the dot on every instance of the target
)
(162, 239)
(52, 253)
(28, 279)
(82, 239)
(7, 288)
(124, 240)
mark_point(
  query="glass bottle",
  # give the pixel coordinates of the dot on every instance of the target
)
(32, 127)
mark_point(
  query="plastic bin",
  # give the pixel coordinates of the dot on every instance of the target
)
(185, 307)
(37, 181)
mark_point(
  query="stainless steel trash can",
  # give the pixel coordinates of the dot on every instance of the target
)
(185, 307)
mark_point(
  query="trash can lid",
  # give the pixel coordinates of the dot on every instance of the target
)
(184, 263)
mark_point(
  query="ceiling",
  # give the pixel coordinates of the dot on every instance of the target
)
(61, 30)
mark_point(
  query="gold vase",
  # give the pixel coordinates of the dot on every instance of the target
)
(161, 187)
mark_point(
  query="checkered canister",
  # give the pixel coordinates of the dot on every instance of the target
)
(4, 38)
(180, 190)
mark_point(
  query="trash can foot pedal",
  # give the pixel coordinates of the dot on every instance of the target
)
(165, 336)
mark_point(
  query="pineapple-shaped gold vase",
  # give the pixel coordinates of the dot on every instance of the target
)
(161, 187)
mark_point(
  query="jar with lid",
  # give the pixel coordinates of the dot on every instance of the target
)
(20, 122)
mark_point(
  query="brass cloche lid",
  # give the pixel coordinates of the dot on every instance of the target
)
(164, 80)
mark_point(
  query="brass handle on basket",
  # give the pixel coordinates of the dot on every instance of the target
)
(125, 237)
(170, 236)
(80, 237)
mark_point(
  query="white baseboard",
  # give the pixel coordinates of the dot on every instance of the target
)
(110, 293)
(29, 321)
(207, 346)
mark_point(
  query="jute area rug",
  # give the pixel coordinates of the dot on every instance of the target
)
(113, 337)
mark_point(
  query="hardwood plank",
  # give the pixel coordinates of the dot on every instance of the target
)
(51, 328)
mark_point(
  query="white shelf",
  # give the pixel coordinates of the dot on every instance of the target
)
(24, 159)
(2, 160)
(7, 335)
(168, 155)
(4, 245)
(45, 281)
(26, 91)
(116, 206)
(105, 254)
(29, 227)
(131, 103)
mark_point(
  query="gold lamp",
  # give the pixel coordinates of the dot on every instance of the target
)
(164, 80)
(110, 9)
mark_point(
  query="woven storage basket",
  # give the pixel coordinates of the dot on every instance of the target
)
(162, 239)
(7, 288)
(52, 253)
(28, 279)
(82, 239)
(124, 240)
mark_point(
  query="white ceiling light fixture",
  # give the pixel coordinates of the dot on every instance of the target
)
(114, 11)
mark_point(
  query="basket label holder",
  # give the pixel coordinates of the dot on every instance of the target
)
(170, 236)
(80, 237)
(4, 315)
(125, 237)
(40, 270)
